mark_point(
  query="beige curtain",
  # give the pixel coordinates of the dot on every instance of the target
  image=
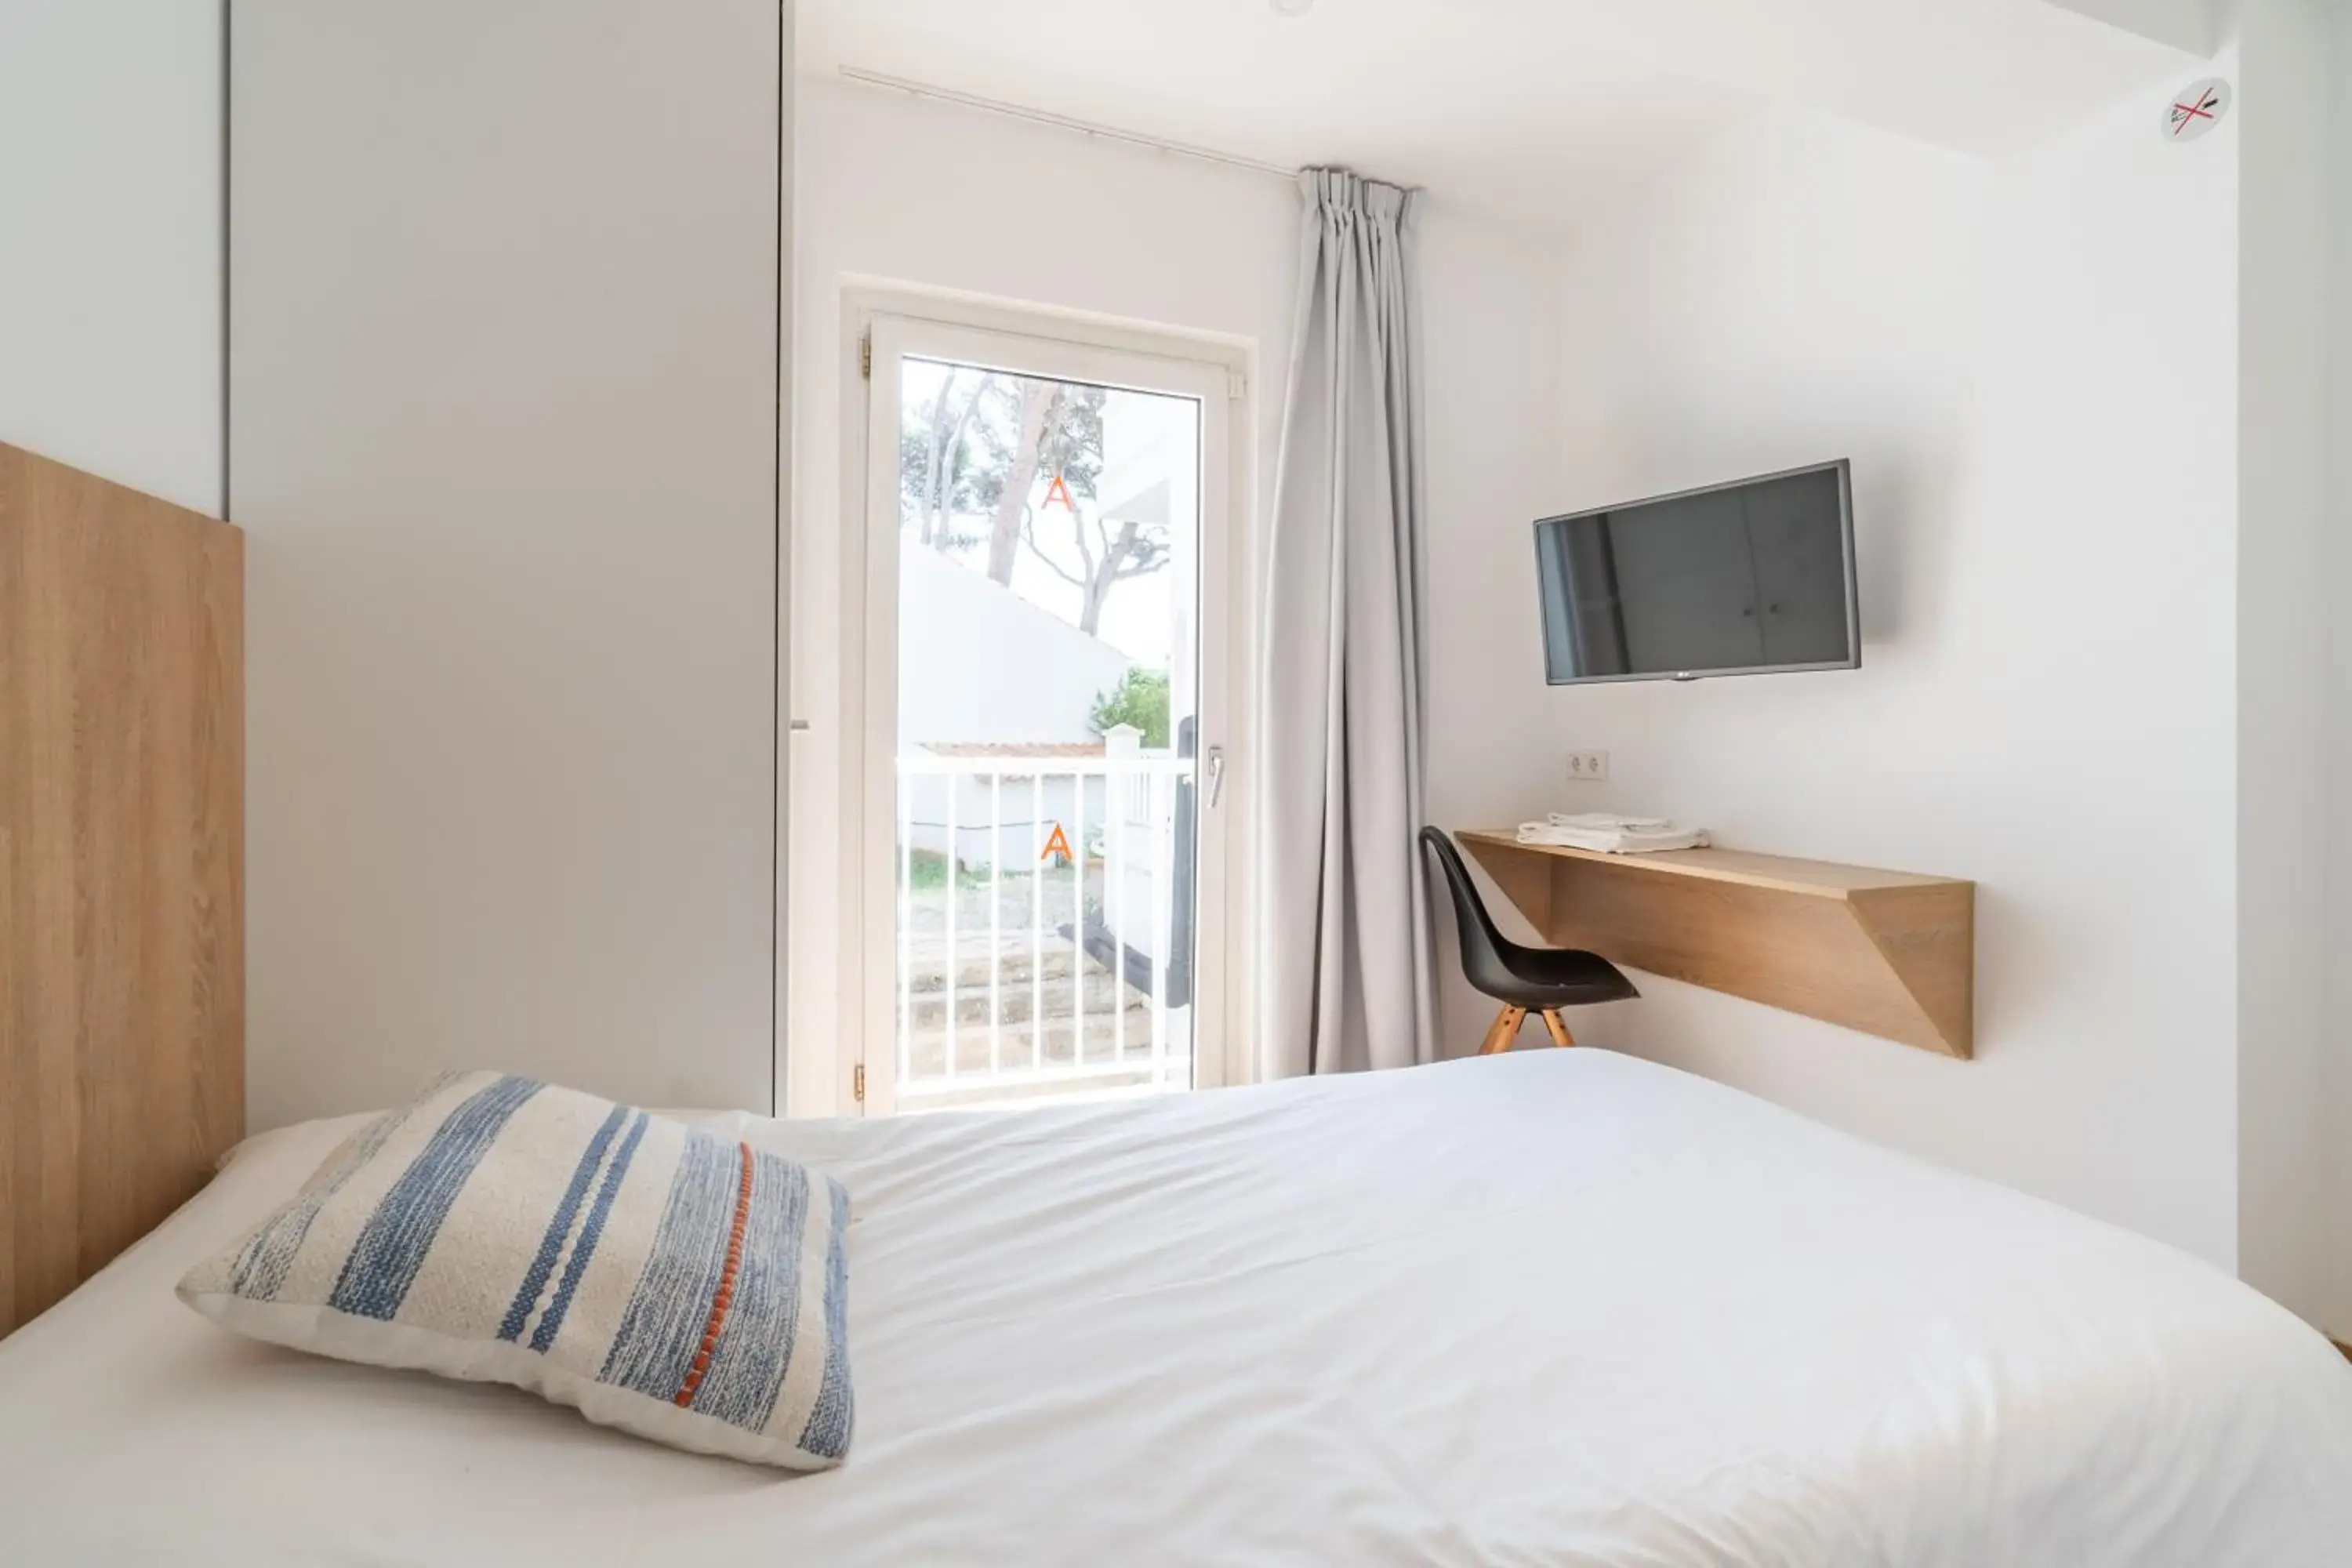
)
(1345, 979)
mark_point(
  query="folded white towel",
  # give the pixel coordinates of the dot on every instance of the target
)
(1609, 822)
(1647, 843)
(1612, 841)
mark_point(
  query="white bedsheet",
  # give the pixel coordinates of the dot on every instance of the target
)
(1558, 1307)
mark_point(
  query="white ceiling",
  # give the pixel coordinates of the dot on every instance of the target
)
(1518, 108)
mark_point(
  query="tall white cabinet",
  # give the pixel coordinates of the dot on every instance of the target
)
(504, 439)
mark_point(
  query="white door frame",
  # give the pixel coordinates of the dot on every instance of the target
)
(890, 323)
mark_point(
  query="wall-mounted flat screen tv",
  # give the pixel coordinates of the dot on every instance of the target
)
(1738, 579)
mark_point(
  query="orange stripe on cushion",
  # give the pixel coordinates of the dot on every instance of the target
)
(725, 1295)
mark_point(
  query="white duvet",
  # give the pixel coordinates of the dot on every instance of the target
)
(1559, 1306)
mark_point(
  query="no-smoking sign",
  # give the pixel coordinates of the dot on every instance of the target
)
(2197, 109)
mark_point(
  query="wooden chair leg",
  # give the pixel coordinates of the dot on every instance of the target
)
(1558, 1027)
(1506, 1029)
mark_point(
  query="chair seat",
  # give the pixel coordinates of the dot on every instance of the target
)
(1541, 978)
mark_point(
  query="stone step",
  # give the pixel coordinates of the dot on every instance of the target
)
(927, 971)
(1013, 1007)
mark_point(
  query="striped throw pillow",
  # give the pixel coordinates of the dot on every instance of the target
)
(681, 1286)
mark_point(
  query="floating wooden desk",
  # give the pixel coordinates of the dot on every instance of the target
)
(1886, 953)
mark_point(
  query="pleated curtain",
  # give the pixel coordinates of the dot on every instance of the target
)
(1345, 980)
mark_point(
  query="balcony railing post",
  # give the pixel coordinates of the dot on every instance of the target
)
(1163, 926)
(906, 927)
(995, 920)
(1114, 805)
(955, 787)
(1037, 921)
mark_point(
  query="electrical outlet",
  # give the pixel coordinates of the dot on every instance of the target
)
(1588, 767)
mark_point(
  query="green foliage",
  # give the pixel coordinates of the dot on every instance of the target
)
(1140, 699)
(927, 871)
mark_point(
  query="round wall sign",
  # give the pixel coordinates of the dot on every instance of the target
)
(2197, 109)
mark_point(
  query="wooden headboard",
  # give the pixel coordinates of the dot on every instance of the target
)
(122, 868)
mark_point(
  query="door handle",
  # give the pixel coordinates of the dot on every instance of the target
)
(1217, 774)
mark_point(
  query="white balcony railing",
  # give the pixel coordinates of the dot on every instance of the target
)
(1023, 972)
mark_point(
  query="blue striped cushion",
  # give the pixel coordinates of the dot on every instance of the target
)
(678, 1285)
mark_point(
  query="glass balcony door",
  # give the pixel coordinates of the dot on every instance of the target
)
(1044, 879)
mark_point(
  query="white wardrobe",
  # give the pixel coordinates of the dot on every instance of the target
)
(504, 414)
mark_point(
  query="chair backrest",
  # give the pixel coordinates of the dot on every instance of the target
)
(1482, 944)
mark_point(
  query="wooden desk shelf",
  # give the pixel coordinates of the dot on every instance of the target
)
(1886, 953)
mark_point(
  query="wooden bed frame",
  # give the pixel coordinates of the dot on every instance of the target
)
(122, 868)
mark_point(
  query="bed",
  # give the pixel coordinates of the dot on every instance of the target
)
(1557, 1307)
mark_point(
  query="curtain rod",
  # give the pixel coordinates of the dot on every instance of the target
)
(1063, 122)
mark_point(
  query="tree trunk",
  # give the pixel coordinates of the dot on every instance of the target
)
(938, 435)
(1004, 534)
(1101, 581)
(936, 528)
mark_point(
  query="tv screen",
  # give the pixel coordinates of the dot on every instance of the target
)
(1736, 579)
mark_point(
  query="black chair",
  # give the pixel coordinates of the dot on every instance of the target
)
(1523, 979)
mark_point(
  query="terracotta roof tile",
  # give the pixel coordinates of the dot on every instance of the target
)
(1013, 748)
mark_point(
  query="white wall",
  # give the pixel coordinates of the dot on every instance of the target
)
(2338, 1017)
(2283, 606)
(2192, 25)
(1494, 382)
(505, 300)
(898, 190)
(948, 611)
(110, 239)
(2033, 365)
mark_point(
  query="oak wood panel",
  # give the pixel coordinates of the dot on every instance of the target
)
(121, 859)
(1741, 868)
(1927, 935)
(1888, 953)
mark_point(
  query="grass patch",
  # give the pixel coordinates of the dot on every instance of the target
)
(927, 871)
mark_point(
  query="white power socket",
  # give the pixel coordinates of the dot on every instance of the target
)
(1588, 767)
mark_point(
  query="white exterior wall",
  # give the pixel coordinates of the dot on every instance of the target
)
(978, 662)
(1152, 472)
